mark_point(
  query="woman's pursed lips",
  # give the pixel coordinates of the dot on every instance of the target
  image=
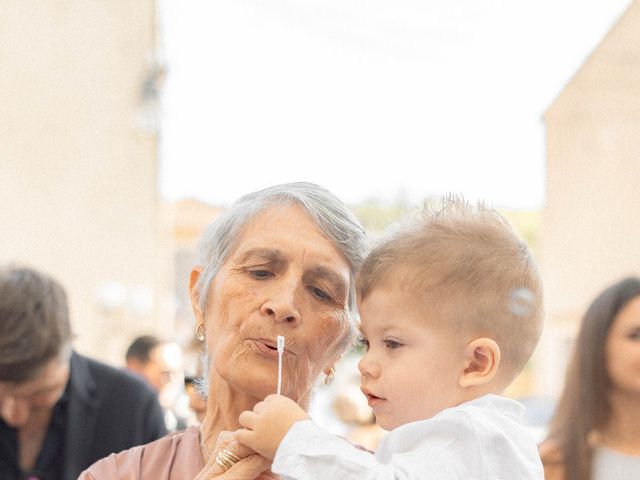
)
(269, 346)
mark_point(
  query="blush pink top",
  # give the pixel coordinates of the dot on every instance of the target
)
(174, 457)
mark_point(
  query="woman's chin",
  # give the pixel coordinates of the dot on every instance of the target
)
(257, 384)
(257, 377)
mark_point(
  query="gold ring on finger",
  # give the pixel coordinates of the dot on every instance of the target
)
(226, 459)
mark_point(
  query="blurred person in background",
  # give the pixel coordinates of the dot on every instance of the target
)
(194, 380)
(351, 408)
(60, 411)
(145, 356)
(197, 401)
(280, 261)
(158, 362)
(595, 432)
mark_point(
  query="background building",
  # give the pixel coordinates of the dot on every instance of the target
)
(78, 162)
(591, 220)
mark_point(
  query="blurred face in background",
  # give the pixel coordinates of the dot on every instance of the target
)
(623, 350)
(197, 401)
(158, 370)
(33, 400)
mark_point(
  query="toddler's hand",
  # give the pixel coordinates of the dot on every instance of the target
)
(268, 423)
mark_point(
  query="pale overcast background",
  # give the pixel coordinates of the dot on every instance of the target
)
(389, 99)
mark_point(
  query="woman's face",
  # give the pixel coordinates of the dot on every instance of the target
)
(284, 277)
(623, 349)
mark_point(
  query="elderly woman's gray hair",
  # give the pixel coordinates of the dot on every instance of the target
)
(331, 215)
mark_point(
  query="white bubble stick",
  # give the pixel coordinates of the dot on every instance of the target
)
(280, 345)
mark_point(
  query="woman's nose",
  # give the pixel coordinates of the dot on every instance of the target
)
(368, 366)
(281, 306)
(14, 412)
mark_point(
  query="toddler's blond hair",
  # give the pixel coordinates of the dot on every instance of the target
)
(469, 268)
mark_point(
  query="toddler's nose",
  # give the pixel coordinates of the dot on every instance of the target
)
(368, 366)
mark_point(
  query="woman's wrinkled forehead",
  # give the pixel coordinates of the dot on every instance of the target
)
(263, 220)
(280, 232)
(287, 218)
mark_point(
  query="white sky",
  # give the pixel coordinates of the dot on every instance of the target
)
(396, 98)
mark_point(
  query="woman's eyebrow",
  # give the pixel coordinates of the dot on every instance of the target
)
(335, 279)
(271, 255)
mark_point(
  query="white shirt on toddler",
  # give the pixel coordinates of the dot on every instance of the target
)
(483, 439)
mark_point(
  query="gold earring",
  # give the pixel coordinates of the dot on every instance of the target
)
(200, 332)
(328, 380)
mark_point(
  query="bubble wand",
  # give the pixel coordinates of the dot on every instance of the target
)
(280, 345)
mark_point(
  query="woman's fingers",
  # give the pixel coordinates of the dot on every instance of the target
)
(246, 469)
(225, 441)
(224, 437)
(239, 450)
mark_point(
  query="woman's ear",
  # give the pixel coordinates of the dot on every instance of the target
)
(195, 294)
(482, 359)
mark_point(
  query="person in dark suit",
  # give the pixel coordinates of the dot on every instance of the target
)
(60, 411)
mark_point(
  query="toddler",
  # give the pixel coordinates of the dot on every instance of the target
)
(451, 310)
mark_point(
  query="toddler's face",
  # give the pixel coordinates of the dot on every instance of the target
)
(410, 370)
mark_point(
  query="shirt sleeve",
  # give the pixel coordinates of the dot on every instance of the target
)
(474, 442)
(309, 452)
(425, 451)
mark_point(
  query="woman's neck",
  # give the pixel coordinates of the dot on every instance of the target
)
(622, 432)
(224, 406)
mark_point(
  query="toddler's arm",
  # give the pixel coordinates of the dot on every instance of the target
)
(457, 444)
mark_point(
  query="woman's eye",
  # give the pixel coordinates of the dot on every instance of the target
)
(635, 335)
(320, 294)
(392, 344)
(260, 274)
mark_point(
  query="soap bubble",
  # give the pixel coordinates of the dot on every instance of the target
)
(521, 301)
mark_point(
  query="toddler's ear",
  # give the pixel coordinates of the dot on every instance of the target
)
(482, 362)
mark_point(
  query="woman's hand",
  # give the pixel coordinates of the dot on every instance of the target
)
(268, 423)
(250, 466)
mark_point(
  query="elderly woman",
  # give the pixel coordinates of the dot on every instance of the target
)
(281, 261)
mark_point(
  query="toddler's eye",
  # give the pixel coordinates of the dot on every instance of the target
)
(392, 344)
(363, 342)
(634, 335)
